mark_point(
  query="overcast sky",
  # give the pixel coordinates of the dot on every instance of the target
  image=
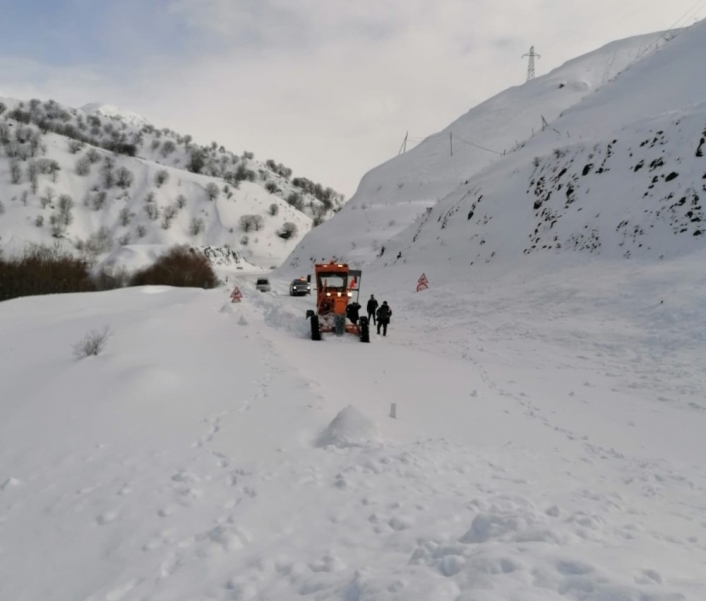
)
(327, 87)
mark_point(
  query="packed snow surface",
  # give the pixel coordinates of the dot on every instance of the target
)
(548, 443)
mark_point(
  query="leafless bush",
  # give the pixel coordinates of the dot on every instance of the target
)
(15, 172)
(152, 211)
(168, 216)
(48, 197)
(288, 230)
(212, 191)
(124, 216)
(75, 146)
(83, 166)
(196, 226)
(161, 177)
(273, 209)
(92, 344)
(93, 156)
(182, 266)
(124, 177)
(251, 222)
(181, 201)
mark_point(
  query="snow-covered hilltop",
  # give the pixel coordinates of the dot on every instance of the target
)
(620, 174)
(99, 179)
(394, 195)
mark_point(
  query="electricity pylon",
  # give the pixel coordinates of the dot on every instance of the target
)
(530, 68)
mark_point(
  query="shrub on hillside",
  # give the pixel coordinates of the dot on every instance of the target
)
(288, 230)
(196, 226)
(251, 222)
(212, 190)
(92, 344)
(182, 266)
(83, 166)
(43, 270)
(161, 177)
(124, 178)
(273, 209)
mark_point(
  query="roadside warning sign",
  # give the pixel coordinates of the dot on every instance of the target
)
(422, 283)
(236, 296)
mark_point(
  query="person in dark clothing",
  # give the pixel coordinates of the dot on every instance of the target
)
(384, 313)
(372, 308)
(353, 312)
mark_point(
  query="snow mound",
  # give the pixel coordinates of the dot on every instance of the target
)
(350, 428)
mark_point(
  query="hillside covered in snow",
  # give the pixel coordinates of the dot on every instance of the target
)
(621, 174)
(394, 195)
(108, 184)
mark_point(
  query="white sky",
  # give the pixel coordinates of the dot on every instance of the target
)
(327, 87)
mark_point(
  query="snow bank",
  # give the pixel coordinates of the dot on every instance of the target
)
(350, 428)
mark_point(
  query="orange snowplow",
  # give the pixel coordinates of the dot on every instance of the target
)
(337, 288)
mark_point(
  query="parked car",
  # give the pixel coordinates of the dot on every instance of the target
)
(263, 284)
(299, 287)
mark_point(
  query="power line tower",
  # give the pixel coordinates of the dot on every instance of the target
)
(530, 68)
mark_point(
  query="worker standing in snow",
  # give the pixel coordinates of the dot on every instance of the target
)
(384, 313)
(372, 308)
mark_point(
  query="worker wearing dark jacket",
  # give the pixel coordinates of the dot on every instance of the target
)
(372, 308)
(384, 313)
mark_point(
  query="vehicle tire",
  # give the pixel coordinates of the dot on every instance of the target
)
(315, 331)
(339, 325)
(364, 330)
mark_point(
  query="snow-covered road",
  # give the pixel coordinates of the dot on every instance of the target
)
(546, 446)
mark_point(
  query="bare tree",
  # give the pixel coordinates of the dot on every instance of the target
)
(212, 191)
(124, 178)
(168, 216)
(93, 155)
(124, 216)
(152, 211)
(83, 166)
(273, 209)
(161, 177)
(288, 230)
(15, 172)
(75, 146)
(251, 222)
(33, 175)
(181, 201)
(197, 226)
(168, 147)
(48, 197)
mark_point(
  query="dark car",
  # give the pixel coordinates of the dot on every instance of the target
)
(299, 287)
(262, 284)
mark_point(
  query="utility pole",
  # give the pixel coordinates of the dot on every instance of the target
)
(530, 68)
(403, 148)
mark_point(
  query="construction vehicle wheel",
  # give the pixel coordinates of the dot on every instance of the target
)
(364, 330)
(315, 331)
(339, 325)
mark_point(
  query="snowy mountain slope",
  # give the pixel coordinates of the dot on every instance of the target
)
(393, 195)
(621, 174)
(127, 183)
(548, 443)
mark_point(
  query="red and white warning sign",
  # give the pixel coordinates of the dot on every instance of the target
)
(236, 296)
(422, 283)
